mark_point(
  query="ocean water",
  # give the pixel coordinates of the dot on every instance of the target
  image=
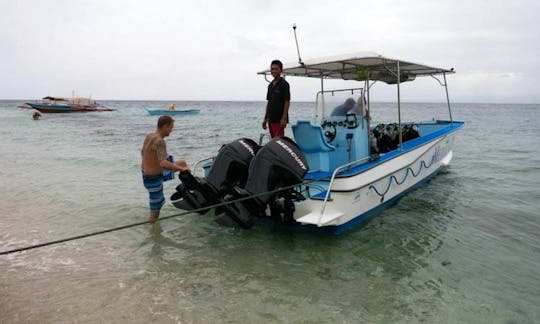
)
(464, 248)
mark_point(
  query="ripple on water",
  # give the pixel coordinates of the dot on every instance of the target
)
(463, 248)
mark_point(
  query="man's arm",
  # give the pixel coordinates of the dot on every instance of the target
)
(283, 121)
(287, 97)
(161, 151)
(265, 120)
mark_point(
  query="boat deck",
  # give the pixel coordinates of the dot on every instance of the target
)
(429, 131)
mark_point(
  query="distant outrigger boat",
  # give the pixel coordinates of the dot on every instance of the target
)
(339, 171)
(159, 112)
(63, 105)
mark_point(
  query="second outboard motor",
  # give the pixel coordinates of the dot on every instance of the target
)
(230, 168)
(280, 163)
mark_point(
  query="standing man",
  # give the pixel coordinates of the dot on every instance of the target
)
(276, 116)
(154, 160)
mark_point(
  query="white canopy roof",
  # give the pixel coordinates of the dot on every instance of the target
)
(360, 66)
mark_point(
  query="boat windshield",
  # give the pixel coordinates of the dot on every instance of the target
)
(340, 102)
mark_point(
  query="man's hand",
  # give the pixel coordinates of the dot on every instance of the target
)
(182, 165)
(283, 123)
(264, 124)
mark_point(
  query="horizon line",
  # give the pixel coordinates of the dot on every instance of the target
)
(308, 101)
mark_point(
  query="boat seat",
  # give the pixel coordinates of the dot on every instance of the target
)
(311, 140)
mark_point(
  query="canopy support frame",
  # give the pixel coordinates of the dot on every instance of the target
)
(445, 85)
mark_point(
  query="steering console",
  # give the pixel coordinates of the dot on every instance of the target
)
(330, 126)
(351, 121)
(330, 130)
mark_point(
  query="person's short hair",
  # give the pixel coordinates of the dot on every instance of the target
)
(164, 120)
(278, 63)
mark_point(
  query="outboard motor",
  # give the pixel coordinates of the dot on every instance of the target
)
(230, 168)
(280, 163)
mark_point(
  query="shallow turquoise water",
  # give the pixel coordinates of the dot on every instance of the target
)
(463, 248)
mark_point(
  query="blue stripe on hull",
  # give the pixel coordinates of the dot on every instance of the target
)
(358, 221)
(54, 108)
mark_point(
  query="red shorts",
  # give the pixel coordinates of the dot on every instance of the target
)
(276, 130)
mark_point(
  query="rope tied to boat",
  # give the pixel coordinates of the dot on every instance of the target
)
(114, 229)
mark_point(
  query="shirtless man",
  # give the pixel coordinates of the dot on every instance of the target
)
(154, 160)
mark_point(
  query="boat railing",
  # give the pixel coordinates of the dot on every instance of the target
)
(337, 171)
(200, 162)
(262, 136)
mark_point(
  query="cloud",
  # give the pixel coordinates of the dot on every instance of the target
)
(212, 49)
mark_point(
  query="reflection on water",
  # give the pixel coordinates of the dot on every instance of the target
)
(280, 272)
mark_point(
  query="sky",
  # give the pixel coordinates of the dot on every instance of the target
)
(211, 50)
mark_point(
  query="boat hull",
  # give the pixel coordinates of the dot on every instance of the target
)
(161, 112)
(356, 222)
(54, 109)
(353, 200)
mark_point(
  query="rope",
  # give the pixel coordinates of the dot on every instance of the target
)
(114, 229)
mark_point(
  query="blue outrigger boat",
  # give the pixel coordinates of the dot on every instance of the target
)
(160, 112)
(338, 171)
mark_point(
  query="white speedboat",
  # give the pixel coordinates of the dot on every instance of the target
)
(339, 170)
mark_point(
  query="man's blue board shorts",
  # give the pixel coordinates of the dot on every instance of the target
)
(154, 185)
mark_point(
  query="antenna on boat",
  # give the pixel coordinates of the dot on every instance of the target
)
(297, 48)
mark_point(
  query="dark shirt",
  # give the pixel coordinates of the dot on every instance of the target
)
(277, 95)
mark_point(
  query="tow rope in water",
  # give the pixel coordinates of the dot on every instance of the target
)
(114, 229)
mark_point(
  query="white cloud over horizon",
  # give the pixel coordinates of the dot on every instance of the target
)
(211, 50)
